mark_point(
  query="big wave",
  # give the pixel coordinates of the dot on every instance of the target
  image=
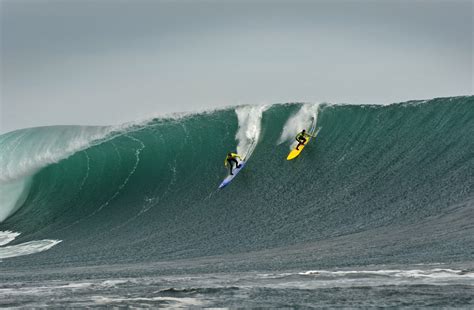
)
(149, 192)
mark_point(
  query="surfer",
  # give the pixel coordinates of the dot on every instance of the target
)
(302, 137)
(231, 157)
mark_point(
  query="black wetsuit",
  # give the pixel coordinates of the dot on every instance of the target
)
(229, 161)
(301, 140)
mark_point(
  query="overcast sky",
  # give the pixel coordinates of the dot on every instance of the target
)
(107, 62)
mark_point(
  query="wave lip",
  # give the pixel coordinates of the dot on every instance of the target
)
(26, 151)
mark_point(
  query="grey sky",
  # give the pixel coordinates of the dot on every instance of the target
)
(106, 62)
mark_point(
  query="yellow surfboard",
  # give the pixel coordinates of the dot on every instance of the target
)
(296, 152)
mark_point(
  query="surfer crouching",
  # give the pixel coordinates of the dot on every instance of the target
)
(302, 137)
(231, 157)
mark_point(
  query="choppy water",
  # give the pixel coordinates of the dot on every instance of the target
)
(433, 286)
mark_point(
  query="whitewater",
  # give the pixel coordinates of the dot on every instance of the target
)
(377, 211)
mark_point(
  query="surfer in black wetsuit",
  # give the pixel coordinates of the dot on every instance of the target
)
(302, 137)
(231, 157)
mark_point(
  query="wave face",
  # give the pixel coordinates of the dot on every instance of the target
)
(380, 184)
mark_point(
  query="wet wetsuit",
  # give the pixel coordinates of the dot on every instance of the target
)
(301, 138)
(230, 159)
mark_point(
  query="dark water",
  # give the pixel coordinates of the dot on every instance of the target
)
(384, 193)
(425, 286)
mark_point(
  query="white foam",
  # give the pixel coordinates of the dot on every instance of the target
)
(299, 121)
(250, 124)
(7, 237)
(73, 285)
(174, 302)
(25, 248)
(398, 273)
(314, 279)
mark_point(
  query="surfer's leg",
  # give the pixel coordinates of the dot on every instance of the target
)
(300, 143)
(237, 165)
(230, 166)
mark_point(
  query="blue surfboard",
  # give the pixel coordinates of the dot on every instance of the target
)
(229, 178)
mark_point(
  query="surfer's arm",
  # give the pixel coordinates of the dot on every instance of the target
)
(238, 156)
(225, 162)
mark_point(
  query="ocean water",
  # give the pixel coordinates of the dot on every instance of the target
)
(377, 211)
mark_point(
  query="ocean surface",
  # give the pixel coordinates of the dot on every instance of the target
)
(377, 211)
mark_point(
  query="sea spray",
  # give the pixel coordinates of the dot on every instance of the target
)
(250, 119)
(299, 121)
